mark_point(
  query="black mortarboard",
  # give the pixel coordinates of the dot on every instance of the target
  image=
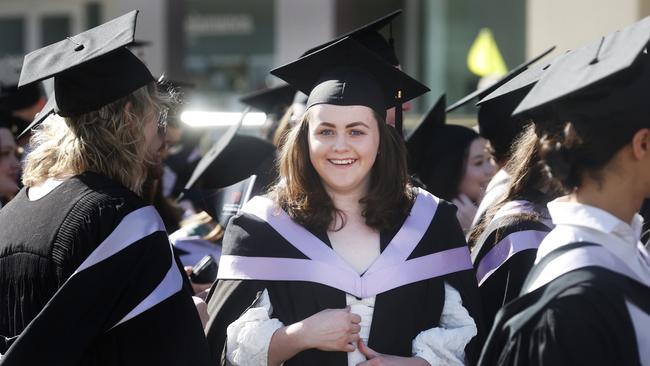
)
(347, 73)
(270, 100)
(603, 78)
(223, 203)
(242, 157)
(480, 93)
(422, 135)
(91, 69)
(369, 36)
(12, 98)
(214, 152)
(495, 121)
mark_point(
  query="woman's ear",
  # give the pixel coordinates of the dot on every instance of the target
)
(641, 143)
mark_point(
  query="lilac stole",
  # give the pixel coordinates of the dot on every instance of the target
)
(511, 244)
(390, 270)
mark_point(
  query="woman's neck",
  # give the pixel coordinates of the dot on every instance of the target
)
(348, 201)
(613, 194)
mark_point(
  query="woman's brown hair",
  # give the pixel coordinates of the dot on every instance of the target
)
(300, 192)
(529, 181)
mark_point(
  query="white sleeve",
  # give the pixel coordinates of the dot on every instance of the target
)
(445, 345)
(249, 337)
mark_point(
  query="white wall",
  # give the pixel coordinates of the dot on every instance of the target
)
(301, 24)
(151, 27)
(571, 23)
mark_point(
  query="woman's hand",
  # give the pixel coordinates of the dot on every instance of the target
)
(466, 211)
(376, 358)
(328, 330)
(331, 330)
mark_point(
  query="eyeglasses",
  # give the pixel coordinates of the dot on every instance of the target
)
(162, 121)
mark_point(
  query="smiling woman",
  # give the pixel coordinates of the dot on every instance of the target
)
(344, 261)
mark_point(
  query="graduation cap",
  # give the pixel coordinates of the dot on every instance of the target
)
(12, 98)
(422, 135)
(495, 121)
(212, 154)
(369, 36)
(226, 182)
(346, 73)
(606, 77)
(270, 100)
(244, 156)
(91, 69)
(480, 93)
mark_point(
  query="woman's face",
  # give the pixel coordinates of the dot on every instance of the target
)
(479, 169)
(9, 164)
(343, 145)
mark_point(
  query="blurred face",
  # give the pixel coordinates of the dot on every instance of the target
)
(390, 114)
(479, 169)
(9, 164)
(343, 145)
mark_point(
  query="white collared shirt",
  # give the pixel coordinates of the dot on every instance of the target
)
(577, 222)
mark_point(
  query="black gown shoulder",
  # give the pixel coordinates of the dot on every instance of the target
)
(580, 318)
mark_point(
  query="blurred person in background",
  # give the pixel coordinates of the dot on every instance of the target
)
(9, 165)
(451, 161)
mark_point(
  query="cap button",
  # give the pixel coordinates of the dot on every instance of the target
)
(79, 48)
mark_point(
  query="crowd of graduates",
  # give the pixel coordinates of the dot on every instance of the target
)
(335, 237)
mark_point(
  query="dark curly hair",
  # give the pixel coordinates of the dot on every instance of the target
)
(300, 192)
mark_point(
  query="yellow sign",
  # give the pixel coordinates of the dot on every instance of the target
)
(484, 57)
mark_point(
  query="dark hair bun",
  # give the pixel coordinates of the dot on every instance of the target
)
(561, 153)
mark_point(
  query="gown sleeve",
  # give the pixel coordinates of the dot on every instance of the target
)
(445, 345)
(249, 337)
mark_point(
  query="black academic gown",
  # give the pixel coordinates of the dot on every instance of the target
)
(399, 314)
(504, 284)
(50, 315)
(579, 318)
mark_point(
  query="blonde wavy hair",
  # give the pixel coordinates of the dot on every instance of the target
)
(109, 141)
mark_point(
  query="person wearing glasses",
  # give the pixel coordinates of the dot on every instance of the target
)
(86, 269)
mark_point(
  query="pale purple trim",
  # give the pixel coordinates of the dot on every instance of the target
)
(399, 248)
(505, 249)
(514, 208)
(588, 256)
(410, 234)
(390, 270)
(298, 236)
(288, 269)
